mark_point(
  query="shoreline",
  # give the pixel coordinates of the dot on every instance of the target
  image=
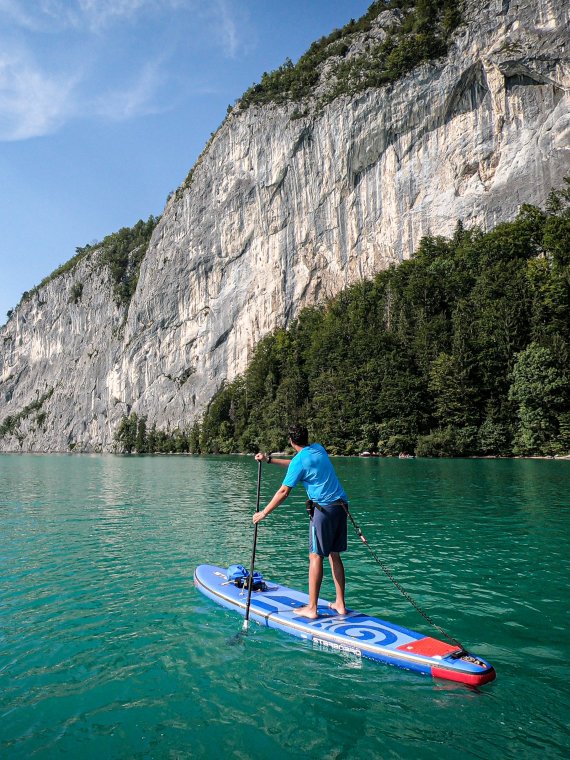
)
(553, 457)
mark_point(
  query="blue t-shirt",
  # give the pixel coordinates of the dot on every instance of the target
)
(313, 469)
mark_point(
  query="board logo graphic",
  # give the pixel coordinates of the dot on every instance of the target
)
(359, 627)
(324, 644)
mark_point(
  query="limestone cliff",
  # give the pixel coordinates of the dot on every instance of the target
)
(282, 212)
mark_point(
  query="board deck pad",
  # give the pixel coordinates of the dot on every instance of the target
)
(356, 633)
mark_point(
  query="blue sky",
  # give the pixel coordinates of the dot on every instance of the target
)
(106, 104)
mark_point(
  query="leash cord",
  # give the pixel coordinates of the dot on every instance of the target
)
(402, 590)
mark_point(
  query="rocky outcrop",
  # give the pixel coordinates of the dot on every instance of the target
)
(282, 212)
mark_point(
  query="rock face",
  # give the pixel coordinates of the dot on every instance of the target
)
(283, 212)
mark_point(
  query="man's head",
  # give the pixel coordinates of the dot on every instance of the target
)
(299, 435)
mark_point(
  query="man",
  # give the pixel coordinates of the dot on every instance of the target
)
(312, 467)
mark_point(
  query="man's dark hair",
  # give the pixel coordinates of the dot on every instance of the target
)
(299, 435)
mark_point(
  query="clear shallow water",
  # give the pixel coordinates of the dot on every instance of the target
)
(108, 651)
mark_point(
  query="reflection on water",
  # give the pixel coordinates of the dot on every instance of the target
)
(106, 649)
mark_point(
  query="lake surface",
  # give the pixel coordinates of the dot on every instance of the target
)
(108, 651)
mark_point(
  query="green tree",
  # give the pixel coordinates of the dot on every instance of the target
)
(126, 434)
(450, 391)
(141, 436)
(539, 390)
(194, 439)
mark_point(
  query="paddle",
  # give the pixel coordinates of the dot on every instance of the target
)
(249, 590)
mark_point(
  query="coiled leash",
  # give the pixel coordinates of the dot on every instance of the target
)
(312, 505)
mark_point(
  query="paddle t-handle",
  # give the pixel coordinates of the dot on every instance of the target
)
(250, 585)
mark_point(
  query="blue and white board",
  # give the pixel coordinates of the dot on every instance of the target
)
(354, 632)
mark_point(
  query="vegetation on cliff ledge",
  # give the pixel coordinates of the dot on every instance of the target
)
(10, 425)
(419, 31)
(122, 252)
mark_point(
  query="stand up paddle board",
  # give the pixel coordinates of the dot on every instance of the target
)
(361, 635)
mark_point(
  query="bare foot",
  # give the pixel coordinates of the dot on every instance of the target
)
(307, 611)
(340, 608)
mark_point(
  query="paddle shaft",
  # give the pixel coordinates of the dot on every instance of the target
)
(250, 588)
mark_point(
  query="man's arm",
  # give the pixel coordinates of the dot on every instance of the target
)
(278, 499)
(272, 460)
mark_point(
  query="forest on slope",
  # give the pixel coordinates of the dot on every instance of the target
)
(464, 350)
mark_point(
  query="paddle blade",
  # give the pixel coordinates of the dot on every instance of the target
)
(238, 637)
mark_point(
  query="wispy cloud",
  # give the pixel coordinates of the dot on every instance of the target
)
(99, 14)
(137, 98)
(41, 16)
(93, 43)
(89, 15)
(32, 102)
(228, 28)
(16, 13)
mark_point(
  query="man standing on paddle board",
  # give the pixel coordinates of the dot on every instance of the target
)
(312, 467)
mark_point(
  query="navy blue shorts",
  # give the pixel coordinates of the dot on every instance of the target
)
(327, 529)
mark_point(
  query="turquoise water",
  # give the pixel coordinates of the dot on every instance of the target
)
(108, 651)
